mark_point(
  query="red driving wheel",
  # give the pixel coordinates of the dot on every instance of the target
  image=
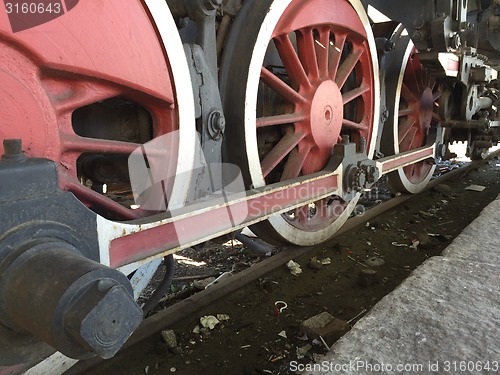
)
(310, 80)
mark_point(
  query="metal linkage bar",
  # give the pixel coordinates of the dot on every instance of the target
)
(392, 163)
(218, 216)
(122, 244)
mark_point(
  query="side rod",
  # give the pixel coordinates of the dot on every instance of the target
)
(136, 241)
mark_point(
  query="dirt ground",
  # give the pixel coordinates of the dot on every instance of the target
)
(257, 338)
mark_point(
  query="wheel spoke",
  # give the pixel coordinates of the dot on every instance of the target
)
(404, 128)
(307, 52)
(413, 137)
(347, 67)
(291, 61)
(291, 118)
(302, 213)
(83, 93)
(353, 94)
(335, 54)
(80, 144)
(91, 197)
(406, 112)
(322, 46)
(424, 78)
(280, 151)
(411, 79)
(432, 82)
(407, 94)
(413, 170)
(295, 163)
(321, 208)
(354, 125)
(280, 87)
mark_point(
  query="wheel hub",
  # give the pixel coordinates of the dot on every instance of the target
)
(326, 115)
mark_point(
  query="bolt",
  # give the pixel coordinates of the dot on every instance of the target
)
(419, 23)
(441, 150)
(385, 114)
(465, 26)
(12, 146)
(216, 124)
(362, 144)
(418, 36)
(345, 139)
(219, 122)
(182, 23)
(105, 285)
(456, 42)
(389, 46)
(13, 149)
(371, 174)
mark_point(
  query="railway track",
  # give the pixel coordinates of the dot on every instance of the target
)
(198, 302)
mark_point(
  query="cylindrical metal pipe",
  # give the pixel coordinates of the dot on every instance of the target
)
(222, 33)
(471, 124)
(253, 245)
(483, 144)
(485, 102)
(76, 305)
(164, 286)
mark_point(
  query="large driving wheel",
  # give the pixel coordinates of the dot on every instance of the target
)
(413, 94)
(296, 76)
(101, 86)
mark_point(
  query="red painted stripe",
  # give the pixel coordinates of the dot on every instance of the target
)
(391, 164)
(200, 225)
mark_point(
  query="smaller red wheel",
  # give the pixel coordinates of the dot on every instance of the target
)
(414, 94)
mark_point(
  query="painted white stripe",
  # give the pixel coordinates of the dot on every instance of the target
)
(56, 364)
